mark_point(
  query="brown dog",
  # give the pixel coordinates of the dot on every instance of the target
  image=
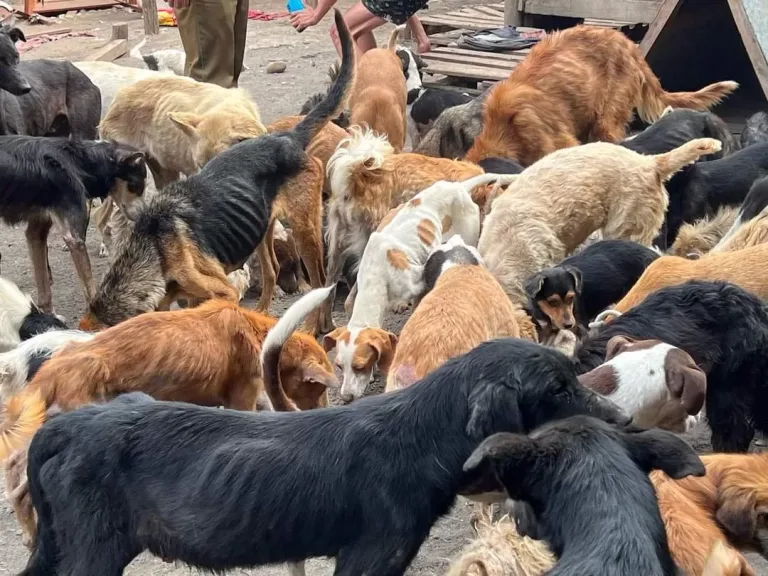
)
(379, 98)
(578, 85)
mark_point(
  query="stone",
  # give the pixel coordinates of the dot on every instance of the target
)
(276, 67)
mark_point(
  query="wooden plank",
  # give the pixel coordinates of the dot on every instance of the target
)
(447, 87)
(453, 22)
(48, 33)
(512, 16)
(120, 31)
(490, 11)
(461, 52)
(625, 10)
(54, 7)
(110, 51)
(490, 63)
(149, 16)
(668, 9)
(751, 43)
(467, 71)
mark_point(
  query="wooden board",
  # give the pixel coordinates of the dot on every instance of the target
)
(462, 70)
(110, 51)
(753, 27)
(57, 6)
(636, 11)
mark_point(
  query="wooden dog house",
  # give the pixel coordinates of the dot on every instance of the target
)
(692, 43)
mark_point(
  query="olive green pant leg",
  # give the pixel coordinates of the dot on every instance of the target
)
(241, 32)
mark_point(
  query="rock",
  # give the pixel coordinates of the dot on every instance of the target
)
(276, 67)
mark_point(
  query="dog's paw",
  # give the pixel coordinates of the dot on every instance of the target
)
(710, 146)
(279, 292)
(103, 251)
(303, 287)
(400, 307)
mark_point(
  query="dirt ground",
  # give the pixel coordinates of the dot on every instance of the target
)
(308, 56)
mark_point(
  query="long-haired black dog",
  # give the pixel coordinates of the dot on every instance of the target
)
(756, 130)
(362, 483)
(189, 237)
(587, 486)
(44, 97)
(754, 204)
(42, 179)
(572, 293)
(725, 330)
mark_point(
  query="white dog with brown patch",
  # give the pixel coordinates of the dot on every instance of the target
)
(392, 269)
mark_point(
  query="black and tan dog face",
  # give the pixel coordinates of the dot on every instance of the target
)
(130, 179)
(10, 78)
(552, 294)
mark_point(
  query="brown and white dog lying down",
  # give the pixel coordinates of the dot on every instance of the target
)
(553, 206)
(577, 85)
(745, 268)
(151, 354)
(380, 97)
(368, 180)
(430, 337)
(726, 505)
(659, 385)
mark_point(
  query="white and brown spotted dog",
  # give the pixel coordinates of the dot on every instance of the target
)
(392, 272)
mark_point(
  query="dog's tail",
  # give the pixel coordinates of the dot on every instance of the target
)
(22, 416)
(276, 339)
(501, 179)
(669, 163)
(136, 50)
(363, 150)
(754, 205)
(393, 37)
(336, 99)
(724, 561)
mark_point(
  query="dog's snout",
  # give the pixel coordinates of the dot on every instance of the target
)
(25, 88)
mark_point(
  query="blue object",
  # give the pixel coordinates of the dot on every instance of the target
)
(294, 6)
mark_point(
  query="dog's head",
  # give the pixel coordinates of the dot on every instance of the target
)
(413, 67)
(454, 252)
(552, 294)
(10, 78)
(130, 177)
(288, 256)
(565, 457)
(306, 372)
(358, 352)
(210, 134)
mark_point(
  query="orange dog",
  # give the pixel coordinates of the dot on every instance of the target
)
(578, 85)
(732, 495)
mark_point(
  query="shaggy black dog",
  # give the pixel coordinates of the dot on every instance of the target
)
(219, 489)
(41, 178)
(756, 130)
(699, 190)
(725, 330)
(44, 97)
(588, 488)
(585, 284)
(494, 165)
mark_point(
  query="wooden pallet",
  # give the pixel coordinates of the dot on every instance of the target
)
(463, 63)
(474, 18)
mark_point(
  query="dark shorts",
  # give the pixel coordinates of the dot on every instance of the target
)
(395, 11)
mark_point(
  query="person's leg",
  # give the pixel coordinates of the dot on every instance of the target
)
(241, 31)
(206, 28)
(361, 22)
(419, 34)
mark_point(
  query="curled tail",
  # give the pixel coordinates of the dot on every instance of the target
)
(392, 44)
(669, 163)
(22, 416)
(277, 337)
(338, 93)
(363, 150)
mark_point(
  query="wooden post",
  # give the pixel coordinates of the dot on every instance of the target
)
(120, 31)
(149, 14)
(513, 14)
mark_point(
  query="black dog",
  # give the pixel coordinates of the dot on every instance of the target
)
(426, 104)
(756, 130)
(44, 97)
(754, 204)
(725, 330)
(362, 483)
(583, 285)
(588, 488)
(45, 177)
(342, 119)
(495, 165)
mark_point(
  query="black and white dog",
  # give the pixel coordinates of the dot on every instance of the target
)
(20, 318)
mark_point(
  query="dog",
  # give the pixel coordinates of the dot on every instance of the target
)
(569, 296)
(500, 166)
(179, 123)
(394, 258)
(20, 318)
(723, 328)
(657, 384)
(553, 206)
(696, 239)
(524, 386)
(430, 338)
(577, 85)
(168, 60)
(453, 252)
(186, 239)
(454, 131)
(379, 97)
(587, 488)
(724, 505)
(756, 130)
(44, 97)
(342, 120)
(749, 227)
(368, 180)
(47, 180)
(425, 105)
(291, 278)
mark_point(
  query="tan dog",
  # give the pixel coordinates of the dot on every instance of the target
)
(179, 123)
(696, 239)
(578, 85)
(380, 97)
(745, 268)
(553, 206)
(367, 180)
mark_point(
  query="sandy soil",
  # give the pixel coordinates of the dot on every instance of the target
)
(308, 56)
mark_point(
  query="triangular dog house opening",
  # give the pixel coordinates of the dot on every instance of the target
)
(692, 43)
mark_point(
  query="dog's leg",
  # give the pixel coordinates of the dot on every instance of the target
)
(372, 555)
(610, 126)
(349, 303)
(296, 569)
(268, 276)
(75, 226)
(37, 242)
(17, 492)
(271, 246)
(307, 224)
(197, 275)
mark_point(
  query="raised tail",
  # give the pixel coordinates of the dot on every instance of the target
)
(338, 93)
(502, 179)
(136, 50)
(393, 37)
(22, 416)
(276, 339)
(669, 163)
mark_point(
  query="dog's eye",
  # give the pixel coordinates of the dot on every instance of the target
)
(553, 301)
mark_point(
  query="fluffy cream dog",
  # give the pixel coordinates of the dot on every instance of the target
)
(555, 204)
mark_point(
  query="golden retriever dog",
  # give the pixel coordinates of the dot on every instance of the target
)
(465, 296)
(745, 268)
(180, 124)
(553, 206)
(577, 85)
(367, 181)
(696, 239)
(379, 98)
(722, 506)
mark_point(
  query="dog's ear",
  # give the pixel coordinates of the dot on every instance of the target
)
(187, 122)
(503, 456)
(17, 35)
(331, 339)
(534, 284)
(384, 343)
(736, 512)
(129, 158)
(659, 450)
(616, 345)
(492, 408)
(315, 374)
(576, 275)
(685, 381)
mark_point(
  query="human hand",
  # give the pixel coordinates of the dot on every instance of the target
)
(178, 3)
(303, 19)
